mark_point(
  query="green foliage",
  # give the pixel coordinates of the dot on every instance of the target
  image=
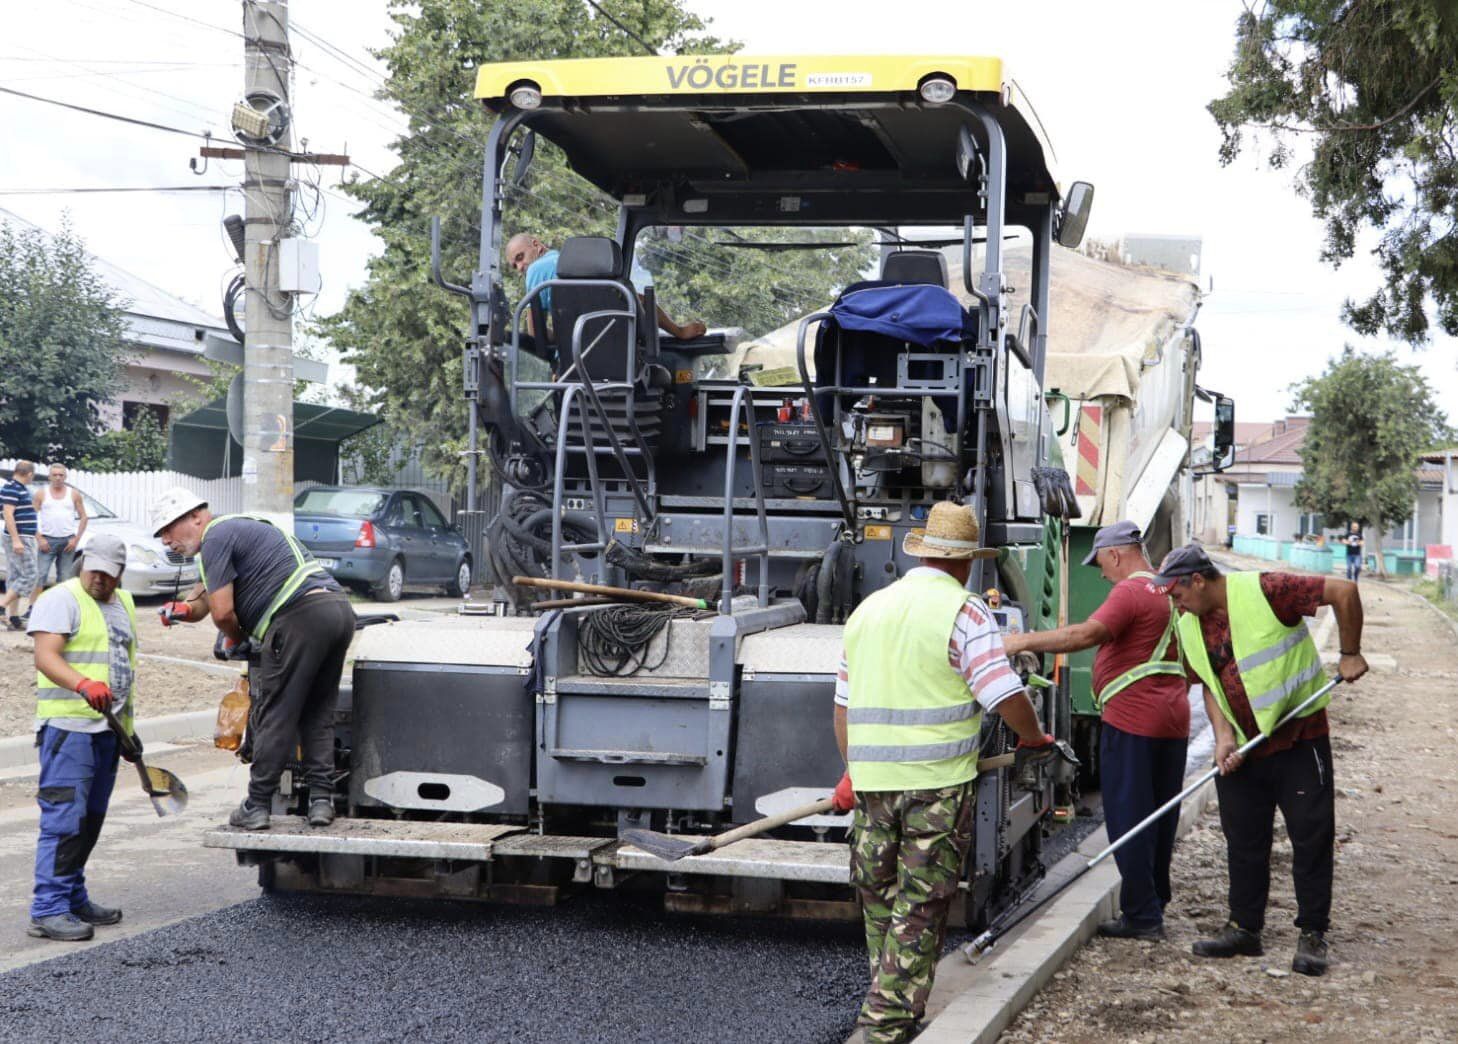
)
(1371, 419)
(61, 345)
(1375, 85)
(142, 447)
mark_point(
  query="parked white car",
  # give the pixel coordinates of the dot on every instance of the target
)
(151, 568)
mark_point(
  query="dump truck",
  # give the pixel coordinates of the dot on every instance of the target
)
(509, 752)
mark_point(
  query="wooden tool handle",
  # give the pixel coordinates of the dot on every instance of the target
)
(996, 762)
(760, 826)
(624, 593)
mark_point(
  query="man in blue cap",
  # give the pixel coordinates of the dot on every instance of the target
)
(1244, 638)
(1139, 686)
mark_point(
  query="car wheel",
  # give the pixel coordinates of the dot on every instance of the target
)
(393, 585)
(462, 582)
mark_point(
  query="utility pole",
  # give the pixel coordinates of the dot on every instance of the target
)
(268, 367)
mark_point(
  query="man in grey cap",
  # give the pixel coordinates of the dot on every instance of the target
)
(85, 633)
(1139, 686)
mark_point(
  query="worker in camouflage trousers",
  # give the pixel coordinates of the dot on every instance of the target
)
(923, 659)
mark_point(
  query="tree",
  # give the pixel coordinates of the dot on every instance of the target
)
(403, 334)
(1374, 87)
(142, 447)
(61, 345)
(1371, 419)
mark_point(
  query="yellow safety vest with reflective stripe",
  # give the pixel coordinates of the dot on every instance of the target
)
(912, 723)
(1157, 662)
(304, 567)
(1279, 665)
(88, 651)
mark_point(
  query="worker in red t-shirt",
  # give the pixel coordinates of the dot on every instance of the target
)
(1247, 631)
(1139, 684)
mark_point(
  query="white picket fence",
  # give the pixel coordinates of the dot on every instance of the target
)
(131, 494)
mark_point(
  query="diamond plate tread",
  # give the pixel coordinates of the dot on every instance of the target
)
(825, 862)
(550, 845)
(375, 837)
(473, 641)
(802, 648)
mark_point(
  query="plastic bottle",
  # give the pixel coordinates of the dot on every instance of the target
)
(233, 716)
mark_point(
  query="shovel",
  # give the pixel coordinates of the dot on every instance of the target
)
(168, 793)
(671, 849)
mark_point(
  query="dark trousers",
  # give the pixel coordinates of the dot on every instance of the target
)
(1298, 782)
(1138, 774)
(295, 686)
(77, 773)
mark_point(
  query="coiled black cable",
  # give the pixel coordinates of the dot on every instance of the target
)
(615, 639)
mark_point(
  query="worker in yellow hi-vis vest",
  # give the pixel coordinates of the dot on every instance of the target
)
(923, 659)
(85, 634)
(1244, 639)
(268, 597)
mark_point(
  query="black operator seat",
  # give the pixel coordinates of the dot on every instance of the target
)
(915, 266)
(599, 258)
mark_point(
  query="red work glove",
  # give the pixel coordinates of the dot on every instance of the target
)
(844, 798)
(1046, 741)
(171, 611)
(97, 694)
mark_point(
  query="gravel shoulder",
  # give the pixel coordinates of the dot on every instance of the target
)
(1395, 969)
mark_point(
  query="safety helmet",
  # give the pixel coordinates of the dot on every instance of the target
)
(172, 505)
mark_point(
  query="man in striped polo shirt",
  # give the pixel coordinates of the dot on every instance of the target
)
(923, 659)
(20, 571)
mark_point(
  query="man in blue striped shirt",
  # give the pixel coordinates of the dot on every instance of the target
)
(20, 528)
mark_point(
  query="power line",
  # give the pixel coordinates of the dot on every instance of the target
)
(117, 188)
(107, 115)
(187, 18)
(646, 45)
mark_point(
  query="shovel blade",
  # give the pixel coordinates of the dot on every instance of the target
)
(168, 793)
(663, 846)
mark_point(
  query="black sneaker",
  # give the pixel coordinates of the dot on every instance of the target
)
(1119, 928)
(1233, 941)
(93, 914)
(246, 817)
(321, 812)
(60, 927)
(1310, 956)
(17, 624)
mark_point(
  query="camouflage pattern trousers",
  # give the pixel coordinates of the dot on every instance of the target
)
(907, 852)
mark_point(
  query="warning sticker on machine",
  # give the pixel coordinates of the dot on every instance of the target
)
(837, 79)
(625, 525)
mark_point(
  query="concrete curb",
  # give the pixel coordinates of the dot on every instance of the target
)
(18, 751)
(989, 995)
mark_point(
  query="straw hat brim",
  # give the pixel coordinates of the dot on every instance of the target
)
(915, 544)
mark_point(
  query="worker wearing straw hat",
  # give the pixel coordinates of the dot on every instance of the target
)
(923, 659)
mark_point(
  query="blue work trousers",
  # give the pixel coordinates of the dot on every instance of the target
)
(77, 773)
(1138, 774)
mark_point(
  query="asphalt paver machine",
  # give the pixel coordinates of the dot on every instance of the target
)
(501, 753)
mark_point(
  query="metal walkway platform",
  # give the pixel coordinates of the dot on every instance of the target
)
(824, 862)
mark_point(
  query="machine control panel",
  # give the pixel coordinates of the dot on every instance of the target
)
(1009, 619)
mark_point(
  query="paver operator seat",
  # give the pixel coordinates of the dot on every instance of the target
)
(597, 258)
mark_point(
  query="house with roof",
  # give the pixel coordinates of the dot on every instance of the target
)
(1252, 504)
(165, 333)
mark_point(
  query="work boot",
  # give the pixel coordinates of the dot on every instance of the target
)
(321, 811)
(64, 927)
(1119, 928)
(16, 624)
(93, 914)
(1233, 941)
(246, 817)
(1310, 956)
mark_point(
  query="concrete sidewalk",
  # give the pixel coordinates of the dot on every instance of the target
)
(19, 751)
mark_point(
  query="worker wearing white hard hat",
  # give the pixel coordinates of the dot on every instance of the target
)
(276, 606)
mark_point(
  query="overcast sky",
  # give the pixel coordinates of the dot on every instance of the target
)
(1120, 85)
